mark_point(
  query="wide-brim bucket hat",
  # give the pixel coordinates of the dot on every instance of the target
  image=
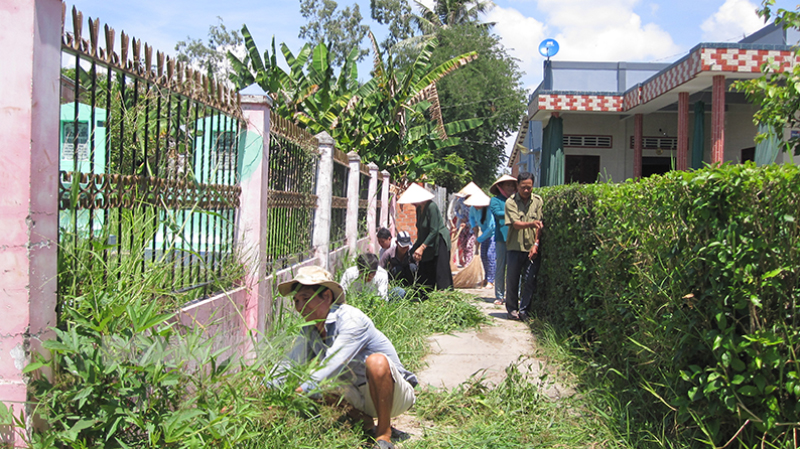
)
(478, 199)
(415, 194)
(494, 189)
(313, 275)
(469, 189)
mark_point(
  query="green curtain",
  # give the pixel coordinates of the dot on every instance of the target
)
(767, 149)
(552, 159)
(557, 168)
(544, 158)
(555, 152)
(699, 138)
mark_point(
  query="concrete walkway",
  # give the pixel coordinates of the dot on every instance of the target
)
(485, 352)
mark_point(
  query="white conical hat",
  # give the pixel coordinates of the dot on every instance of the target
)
(478, 199)
(469, 189)
(496, 191)
(415, 194)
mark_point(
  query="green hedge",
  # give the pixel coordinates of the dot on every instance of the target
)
(687, 286)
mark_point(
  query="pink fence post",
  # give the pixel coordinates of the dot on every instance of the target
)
(253, 210)
(353, 183)
(385, 200)
(372, 194)
(29, 92)
(322, 217)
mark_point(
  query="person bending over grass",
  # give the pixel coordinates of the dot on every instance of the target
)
(366, 277)
(351, 350)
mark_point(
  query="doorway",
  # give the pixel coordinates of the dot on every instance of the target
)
(581, 169)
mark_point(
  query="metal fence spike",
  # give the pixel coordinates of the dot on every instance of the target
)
(77, 27)
(124, 41)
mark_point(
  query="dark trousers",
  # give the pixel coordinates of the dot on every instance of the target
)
(436, 272)
(519, 267)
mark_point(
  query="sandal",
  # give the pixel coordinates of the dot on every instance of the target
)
(499, 302)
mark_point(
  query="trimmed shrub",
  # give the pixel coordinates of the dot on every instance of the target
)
(686, 285)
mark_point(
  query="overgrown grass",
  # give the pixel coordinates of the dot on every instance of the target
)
(518, 413)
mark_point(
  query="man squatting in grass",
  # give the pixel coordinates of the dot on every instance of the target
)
(352, 351)
(524, 218)
(367, 277)
(385, 241)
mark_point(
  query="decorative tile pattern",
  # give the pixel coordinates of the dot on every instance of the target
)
(633, 98)
(740, 60)
(676, 75)
(594, 103)
(702, 59)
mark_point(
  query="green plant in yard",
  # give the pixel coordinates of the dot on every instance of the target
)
(126, 373)
(685, 288)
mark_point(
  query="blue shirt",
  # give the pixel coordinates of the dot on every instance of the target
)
(476, 218)
(498, 208)
(351, 338)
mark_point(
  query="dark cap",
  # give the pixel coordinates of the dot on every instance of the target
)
(403, 239)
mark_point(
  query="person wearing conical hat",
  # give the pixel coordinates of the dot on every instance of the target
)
(480, 217)
(458, 216)
(432, 248)
(349, 349)
(502, 189)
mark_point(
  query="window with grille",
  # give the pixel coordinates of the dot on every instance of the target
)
(658, 143)
(224, 142)
(583, 141)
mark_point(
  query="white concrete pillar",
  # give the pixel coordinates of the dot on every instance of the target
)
(385, 200)
(322, 217)
(353, 183)
(372, 201)
(251, 230)
(29, 97)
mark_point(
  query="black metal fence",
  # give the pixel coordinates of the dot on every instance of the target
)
(363, 199)
(341, 173)
(149, 163)
(293, 161)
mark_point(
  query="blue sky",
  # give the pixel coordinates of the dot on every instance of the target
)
(599, 30)
(587, 30)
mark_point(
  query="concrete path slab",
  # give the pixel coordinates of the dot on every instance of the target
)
(486, 352)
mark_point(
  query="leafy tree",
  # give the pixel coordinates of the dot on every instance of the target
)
(448, 13)
(396, 14)
(386, 120)
(211, 55)
(487, 89)
(341, 30)
(777, 91)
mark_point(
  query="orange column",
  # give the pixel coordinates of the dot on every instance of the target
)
(637, 146)
(683, 131)
(718, 119)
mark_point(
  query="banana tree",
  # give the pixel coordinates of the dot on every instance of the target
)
(393, 119)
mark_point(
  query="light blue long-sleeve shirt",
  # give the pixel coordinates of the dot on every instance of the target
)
(350, 338)
(487, 225)
(498, 208)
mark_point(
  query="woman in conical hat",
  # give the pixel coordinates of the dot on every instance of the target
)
(481, 217)
(432, 248)
(502, 189)
(458, 220)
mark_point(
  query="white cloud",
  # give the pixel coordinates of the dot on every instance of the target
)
(521, 36)
(732, 21)
(605, 31)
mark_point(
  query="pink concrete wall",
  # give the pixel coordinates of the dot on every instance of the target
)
(223, 319)
(29, 114)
